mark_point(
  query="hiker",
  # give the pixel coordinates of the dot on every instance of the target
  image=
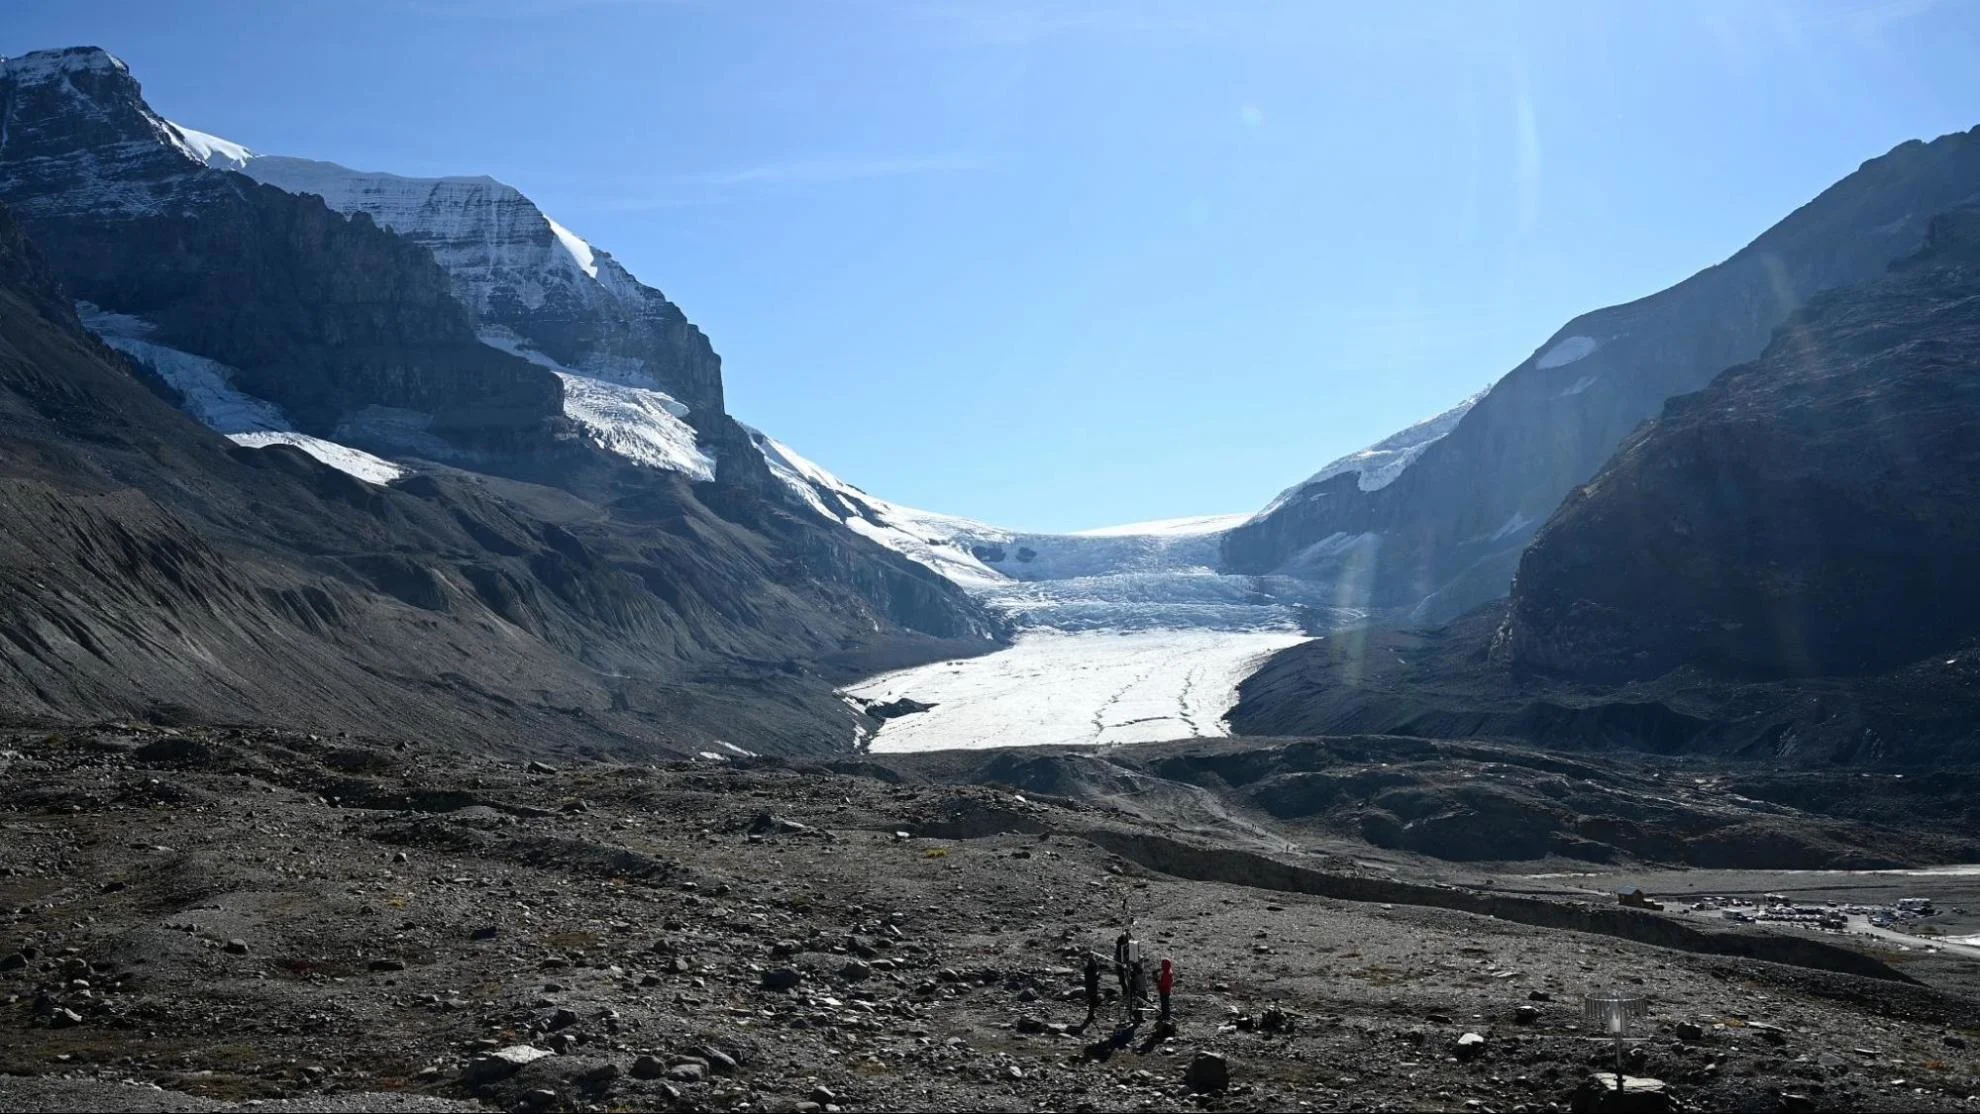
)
(1092, 989)
(1165, 981)
(1123, 946)
(1137, 990)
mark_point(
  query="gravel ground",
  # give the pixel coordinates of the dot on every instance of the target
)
(236, 916)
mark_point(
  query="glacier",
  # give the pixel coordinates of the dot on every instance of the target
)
(206, 388)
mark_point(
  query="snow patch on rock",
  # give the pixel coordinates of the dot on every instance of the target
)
(1566, 351)
(218, 153)
(206, 388)
(638, 423)
(1379, 464)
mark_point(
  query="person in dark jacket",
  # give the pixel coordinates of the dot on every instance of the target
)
(1092, 989)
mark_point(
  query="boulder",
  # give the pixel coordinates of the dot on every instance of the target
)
(1598, 1094)
(1207, 1071)
(490, 1067)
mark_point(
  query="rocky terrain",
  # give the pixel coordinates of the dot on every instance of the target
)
(1810, 513)
(1434, 524)
(347, 923)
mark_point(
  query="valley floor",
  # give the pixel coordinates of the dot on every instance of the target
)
(242, 915)
(1076, 687)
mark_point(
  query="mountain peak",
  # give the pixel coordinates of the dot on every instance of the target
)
(46, 65)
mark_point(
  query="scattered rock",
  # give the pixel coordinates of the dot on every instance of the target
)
(1207, 1071)
(236, 947)
(1526, 1015)
(648, 1067)
(388, 964)
(782, 978)
(502, 1063)
(1690, 1031)
(1470, 1046)
(1598, 1094)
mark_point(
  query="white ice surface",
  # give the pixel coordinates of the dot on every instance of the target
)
(641, 425)
(209, 395)
(1566, 351)
(638, 423)
(1055, 687)
(212, 150)
(343, 458)
(1379, 464)
(1194, 526)
(580, 251)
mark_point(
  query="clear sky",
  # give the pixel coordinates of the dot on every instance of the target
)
(1065, 263)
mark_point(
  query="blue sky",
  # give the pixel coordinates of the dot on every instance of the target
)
(1065, 263)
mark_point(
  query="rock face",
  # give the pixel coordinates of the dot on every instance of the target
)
(1445, 532)
(331, 319)
(1816, 511)
(522, 276)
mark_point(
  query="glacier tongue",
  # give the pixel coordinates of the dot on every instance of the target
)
(1069, 689)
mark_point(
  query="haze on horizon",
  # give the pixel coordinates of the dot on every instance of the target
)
(1057, 265)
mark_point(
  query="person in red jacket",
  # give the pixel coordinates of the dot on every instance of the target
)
(1165, 981)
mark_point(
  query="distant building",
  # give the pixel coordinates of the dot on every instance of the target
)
(1635, 898)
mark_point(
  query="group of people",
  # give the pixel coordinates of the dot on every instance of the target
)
(1132, 974)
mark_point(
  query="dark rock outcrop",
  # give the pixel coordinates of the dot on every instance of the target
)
(1780, 567)
(324, 316)
(1814, 512)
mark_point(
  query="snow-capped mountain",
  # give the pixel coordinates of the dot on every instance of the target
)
(448, 327)
(1431, 522)
(525, 279)
(634, 371)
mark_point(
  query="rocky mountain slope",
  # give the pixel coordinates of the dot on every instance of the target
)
(1779, 567)
(624, 594)
(1443, 532)
(152, 569)
(1816, 511)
